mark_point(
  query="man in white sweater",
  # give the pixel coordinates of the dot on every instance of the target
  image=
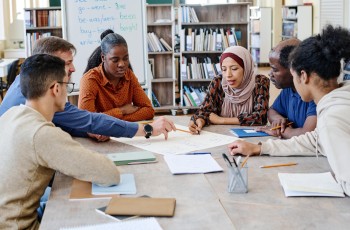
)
(32, 148)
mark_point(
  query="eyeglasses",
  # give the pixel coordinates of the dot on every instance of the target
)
(70, 86)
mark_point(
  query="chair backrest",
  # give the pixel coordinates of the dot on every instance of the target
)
(12, 73)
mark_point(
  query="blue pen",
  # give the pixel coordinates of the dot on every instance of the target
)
(198, 153)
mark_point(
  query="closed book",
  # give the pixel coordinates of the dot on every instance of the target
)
(141, 206)
(132, 157)
(246, 132)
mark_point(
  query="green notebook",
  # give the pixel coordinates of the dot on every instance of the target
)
(132, 158)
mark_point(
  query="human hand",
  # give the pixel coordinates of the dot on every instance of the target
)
(267, 129)
(244, 148)
(99, 138)
(215, 119)
(128, 109)
(196, 127)
(162, 125)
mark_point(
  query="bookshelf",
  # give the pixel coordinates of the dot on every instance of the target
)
(260, 33)
(205, 31)
(160, 40)
(41, 22)
(296, 21)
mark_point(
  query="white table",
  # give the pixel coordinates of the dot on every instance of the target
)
(202, 200)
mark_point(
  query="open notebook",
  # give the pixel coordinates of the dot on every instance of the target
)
(310, 184)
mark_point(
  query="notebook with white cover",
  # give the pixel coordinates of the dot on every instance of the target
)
(310, 184)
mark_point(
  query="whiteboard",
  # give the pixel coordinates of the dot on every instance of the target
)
(85, 20)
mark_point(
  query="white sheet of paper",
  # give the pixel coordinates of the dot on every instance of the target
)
(250, 131)
(178, 142)
(201, 163)
(149, 223)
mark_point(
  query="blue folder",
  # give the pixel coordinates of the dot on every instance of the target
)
(247, 132)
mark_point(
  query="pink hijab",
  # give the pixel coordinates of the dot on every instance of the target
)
(238, 100)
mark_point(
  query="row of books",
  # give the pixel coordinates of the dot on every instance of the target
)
(188, 15)
(157, 45)
(43, 18)
(32, 37)
(155, 101)
(194, 96)
(207, 39)
(199, 68)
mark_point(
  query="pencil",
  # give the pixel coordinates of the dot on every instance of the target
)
(145, 122)
(278, 127)
(182, 130)
(278, 165)
(245, 161)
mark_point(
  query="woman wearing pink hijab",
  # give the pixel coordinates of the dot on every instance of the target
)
(238, 97)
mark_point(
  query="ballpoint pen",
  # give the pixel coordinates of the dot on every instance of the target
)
(229, 164)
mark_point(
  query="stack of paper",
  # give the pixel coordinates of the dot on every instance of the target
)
(126, 186)
(202, 163)
(310, 184)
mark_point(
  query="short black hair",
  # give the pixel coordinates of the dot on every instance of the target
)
(284, 55)
(38, 72)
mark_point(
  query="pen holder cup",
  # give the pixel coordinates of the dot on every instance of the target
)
(238, 180)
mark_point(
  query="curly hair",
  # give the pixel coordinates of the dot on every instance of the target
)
(322, 53)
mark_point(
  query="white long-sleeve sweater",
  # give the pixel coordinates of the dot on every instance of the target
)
(32, 149)
(331, 137)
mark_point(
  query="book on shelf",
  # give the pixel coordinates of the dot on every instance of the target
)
(165, 44)
(183, 70)
(238, 34)
(186, 100)
(189, 96)
(188, 14)
(155, 101)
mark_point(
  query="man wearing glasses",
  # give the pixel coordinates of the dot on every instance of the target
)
(80, 122)
(27, 168)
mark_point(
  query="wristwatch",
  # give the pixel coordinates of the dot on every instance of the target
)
(148, 130)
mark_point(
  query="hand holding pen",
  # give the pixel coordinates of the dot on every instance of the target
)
(195, 126)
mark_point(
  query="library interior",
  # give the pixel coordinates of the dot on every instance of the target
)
(177, 51)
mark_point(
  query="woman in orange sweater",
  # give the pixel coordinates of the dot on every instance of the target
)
(112, 88)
